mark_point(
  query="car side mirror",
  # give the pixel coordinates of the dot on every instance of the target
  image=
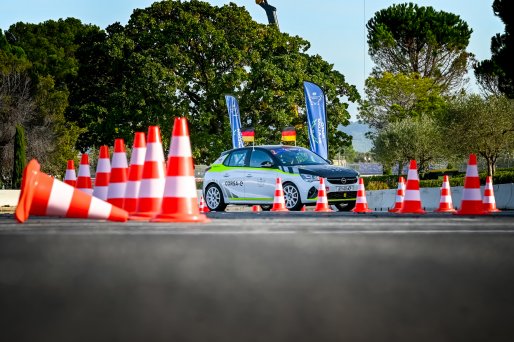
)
(267, 164)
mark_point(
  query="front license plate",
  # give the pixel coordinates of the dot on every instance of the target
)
(344, 188)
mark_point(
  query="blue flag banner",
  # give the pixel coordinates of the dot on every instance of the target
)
(316, 118)
(235, 121)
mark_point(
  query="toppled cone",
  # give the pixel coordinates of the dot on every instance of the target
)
(42, 195)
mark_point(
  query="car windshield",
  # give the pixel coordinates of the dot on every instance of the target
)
(297, 156)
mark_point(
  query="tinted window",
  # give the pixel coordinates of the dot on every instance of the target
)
(236, 158)
(297, 156)
(258, 157)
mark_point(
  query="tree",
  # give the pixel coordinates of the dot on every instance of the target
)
(406, 38)
(395, 97)
(409, 139)
(497, 74)
(20, 159)
(180, 58)
(480, 125)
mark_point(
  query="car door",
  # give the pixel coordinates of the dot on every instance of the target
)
(260, 177)
(233, 177)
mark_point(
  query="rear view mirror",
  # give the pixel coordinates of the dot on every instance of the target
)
(267, 164)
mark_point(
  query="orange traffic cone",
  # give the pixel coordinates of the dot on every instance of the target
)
(489, 201)
(412, 199)
(135, 172)
(119, 175)
(322, 202)
(43, 195)
(304, 208)
(70, 177)
(400, 194)
(279, 204)
(84, 178)
(361, 205)
(445, 203)
(151, 189)
(202, 207)
(180, 203)
(103, 173)
(471, 203)
(256, 208)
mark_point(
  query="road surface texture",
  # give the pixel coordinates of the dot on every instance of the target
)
(259, 277)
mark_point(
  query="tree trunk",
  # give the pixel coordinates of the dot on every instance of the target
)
(20, 159)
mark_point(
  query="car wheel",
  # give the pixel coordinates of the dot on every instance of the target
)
(266, 207)
(347, 206)
(292, 197)
(214, 198)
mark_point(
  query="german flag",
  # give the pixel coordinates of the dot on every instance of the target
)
(248, 135)
(289, 134)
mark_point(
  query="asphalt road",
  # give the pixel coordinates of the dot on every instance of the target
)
(259, 277)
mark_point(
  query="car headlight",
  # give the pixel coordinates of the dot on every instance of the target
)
(309, 178)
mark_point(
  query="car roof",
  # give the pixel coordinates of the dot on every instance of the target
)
(266, 147)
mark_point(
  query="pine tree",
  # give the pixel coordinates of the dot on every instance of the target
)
(19, 156)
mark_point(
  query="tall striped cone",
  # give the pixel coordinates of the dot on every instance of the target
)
(84, 177)
(135, 173)
(400, 194)
(489, 201)
(180, 203)
(279, 203)
(361, 205)
(202, 207)
(471, 203)
(322, 202)
(70, 177)
(119, 175)
(445, 203)
(412, 199)
(43, 195)
(103, 173)
(151, 189)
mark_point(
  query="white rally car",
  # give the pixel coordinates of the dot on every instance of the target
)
(247, 176)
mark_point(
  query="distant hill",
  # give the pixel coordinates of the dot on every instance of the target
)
(358, 131)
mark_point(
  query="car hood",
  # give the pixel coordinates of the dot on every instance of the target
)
(327, 171)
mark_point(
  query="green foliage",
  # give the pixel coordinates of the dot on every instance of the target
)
(406, 38)
(480, 125)
(20, 159)
(394, 97)
(497, 74)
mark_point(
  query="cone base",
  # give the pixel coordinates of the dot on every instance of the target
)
(415, 211)
(469, 207)
(200, 218)
(323, 210)
(394, 210)
(470, 212)
(493, 210)
(142, 216)
(445, 210)
(27, 191)
(279, 209)
(362, 211)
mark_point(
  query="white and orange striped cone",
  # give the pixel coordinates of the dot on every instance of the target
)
(202, 207)
(471, 203)
(151, 189)
(42, 195)
(84, 176)
(304, 208)
(135, 172)
(180, 202)
(489, 201)
(256, 208)
(400, 194)
(103, 173)
(119, 175)
(412, 199)
(361, 205)
(279, 203)
(445, 203)
(322, 202)
(70, 177)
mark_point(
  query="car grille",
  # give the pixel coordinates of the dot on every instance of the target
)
(349, 180)
(341, 195)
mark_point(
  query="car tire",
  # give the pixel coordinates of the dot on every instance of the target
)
(214, 198)
(266, 207)
(347, 206)
(292, 197)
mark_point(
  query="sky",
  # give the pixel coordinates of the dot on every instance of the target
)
(335, 28)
